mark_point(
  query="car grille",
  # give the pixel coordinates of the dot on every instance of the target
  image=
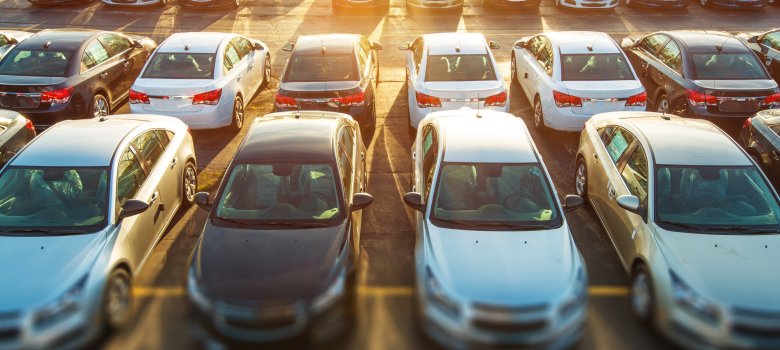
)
(9, 334)
(267, 315)
(756, 323)
(510, 319)
(743, 105)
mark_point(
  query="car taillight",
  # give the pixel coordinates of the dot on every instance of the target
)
(748, 122)
(426, 101)
(284, 101)
(355, 100)
(207, 98)
(138, 97)
(57, 96)
(496, 100)
(699, 99)
(566, 100)
(29, 125)
(773, 99)
(638, 100)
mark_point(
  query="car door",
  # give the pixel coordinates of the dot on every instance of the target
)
(108, 69)
(164, 169)
(349, 181)
(773, 165)
(540, 70)
(666, 72)
(233, 69)
(120, 50)
(633, 180)
(414, 60)
(769, 44)
(253, 68)
(525, 63)
(131, 183)
(366, 67)
(642, 57)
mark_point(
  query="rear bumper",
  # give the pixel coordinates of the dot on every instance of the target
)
(563, 119)
(736, 4)
(210, 117)
(703, 112)
(43, 119)
(55, 2)
(362, 115)
(662, 4)
(137, 3)
(207, 4)
(417, 114)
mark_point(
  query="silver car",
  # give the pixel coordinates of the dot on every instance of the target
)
(694, 222)
(495, 262)
(81, 207)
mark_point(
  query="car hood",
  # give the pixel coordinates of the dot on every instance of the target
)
(317, 86)
(501, 267)
(36, 270)
(731, 269)
(753, 84)
(262, 264)
(27, 80)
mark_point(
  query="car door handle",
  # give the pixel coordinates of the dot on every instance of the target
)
(103, 75)
(611, 191)
(596, 158)
(775, 155)
(154, 198)
(525, 75)
(173, 162)
(126, 64)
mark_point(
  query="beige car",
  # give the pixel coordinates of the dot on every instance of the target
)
(694, 222)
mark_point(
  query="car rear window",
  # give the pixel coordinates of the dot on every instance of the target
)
(319, 68)
(727, 66)
(459, 68)
(166, 65)
(595, 67)
(35, 63)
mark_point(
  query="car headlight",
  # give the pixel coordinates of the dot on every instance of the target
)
(439, 297)
(196, 296)
(579, 295)
(331, 295)
(692, 302)
(64, 306)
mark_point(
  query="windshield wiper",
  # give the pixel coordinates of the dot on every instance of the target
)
(234, 221)
(50, 232)
(456, 223)
(516, 226)
(743, 230)
(685, 227)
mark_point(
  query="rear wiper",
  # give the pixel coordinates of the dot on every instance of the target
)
(686, 227)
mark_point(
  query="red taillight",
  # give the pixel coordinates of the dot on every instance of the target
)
(29, 125)
(355, 100)
(207, 98)
(138, 97)
(772, 99)
(496, 100)
(638, 100)
(566, 100)
(57, 96)
(426, 101)
(284, 102)
(699, 99)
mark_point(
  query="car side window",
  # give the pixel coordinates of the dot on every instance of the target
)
(670, 56)
(417, 54)
(545, 57)
(231, 58)
(130, 177)
(772, 40)
(534, 44)
(346, 159)
(3, 40)
(115, 44)
(618, 143)
(635, 172)
(652, 43)
(243, 46)
(605, 133)
(364, 52)
(97, 55)
(149, 147)
(430, 156)
(165, 139)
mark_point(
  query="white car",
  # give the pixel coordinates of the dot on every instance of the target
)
(496, 265)
(9, 39)
(570, 76)
(587, 4)
(204, 79)
(448, 71)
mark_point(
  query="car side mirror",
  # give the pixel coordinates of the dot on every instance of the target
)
(628, 202)
(289, 47)
(138, 44)
(753, 39)
(258, 46)
(520, 44)
(376, 46)
(494, 45)
(13, 41)
(405, 46)
(361, 200)
(572, 202)
(627, 43)
(202, 200)
(130, 208)
(414, 200)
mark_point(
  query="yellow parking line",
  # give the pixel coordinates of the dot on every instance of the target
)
(608, 291)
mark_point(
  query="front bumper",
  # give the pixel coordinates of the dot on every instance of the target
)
(733, 332)
(665, 4)
(72, 332)
(513, 3)
(424, 4)
(737, 4)
(209, 117)
(370, 4)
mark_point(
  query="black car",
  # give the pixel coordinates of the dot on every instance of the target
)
(660, 4)
(767, 48)
(760, 136)
(701, 74)
(15, 132)
(736, 4)
(67, 74)
(279, 251)
(333, 72)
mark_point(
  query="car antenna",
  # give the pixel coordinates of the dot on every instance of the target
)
(186, 46)
(297, 114)
(590, 47)
(323, 48)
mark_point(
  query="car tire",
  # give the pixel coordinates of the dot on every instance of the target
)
(629, 3)
(641, 295)
(704, 3)
(581, 178)
(237, 120)
(539, 115)
(189, 184)
(162, 4)
(116, 307)
(99, 107)
(266, 71)
(236, 4)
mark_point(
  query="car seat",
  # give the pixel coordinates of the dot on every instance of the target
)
(458, 190)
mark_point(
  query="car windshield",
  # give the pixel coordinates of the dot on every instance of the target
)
(727, 66)
(53, 200)
(591, 67)
(491, 196)
(459, 68)
(35, 63)
(319, 68)
(715, 200)
(280, 194)
(166, 65)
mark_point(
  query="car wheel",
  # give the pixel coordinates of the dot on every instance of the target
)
(236, 3)
(117, 303)
(629, 3)
(641, 294)
(162, 3)
(266, 71)
(539, 116)
(662, 106)
(581, 178)
(238, 114)
(190, 184)
(514, 68)
(704, 3)
(100, 106)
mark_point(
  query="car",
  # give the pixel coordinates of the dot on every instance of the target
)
(15, 132)
(204, 79)
(660, 4)
(701, 74)
(693, 221)
(447, 71)
(57, 2)
(767, 47)
(511, 4)
(586, 4)
(570, 76)
(736, 4)
(278, 254)
(193, 4)
(136, 3)
(9, 39)
(332, 72)
(342, 5)
(66, 74)
(495, 262)
(416, 5)
(760, 136)
(83, 205)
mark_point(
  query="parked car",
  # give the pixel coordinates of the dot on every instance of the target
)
(570, 76)
(760, 136)
(56, 2)
(9, 39)
(332, 72)
(234, 4)
(695, 230)
(204, 79)
(739, 4)
(496, 265)
(81, 208)
(341, 5)
(67, 74)
(767, 47)
(279, 251)
(511, 4)
(586, 4)
(448, 71)
(15, 132)
(662, 4)
(702, 74)
(136, 3)
(412, 5)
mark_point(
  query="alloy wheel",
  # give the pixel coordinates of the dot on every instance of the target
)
(190, 183)
(581, 181)
(238, 114)
(663, 104)
(100, 107)
(538, 116)
(118, 301)
(641, 295)
(267, 72)
(514, 68)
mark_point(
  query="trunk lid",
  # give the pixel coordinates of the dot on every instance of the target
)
(172, 95)
(457, 94)
(602, 96)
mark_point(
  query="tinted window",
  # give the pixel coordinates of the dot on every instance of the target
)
(618, 143)
(231, 57)
(149, 148)
(97, 52)
(130, 177)
(430, 157)
(595, 67)
(35, 63)
(459, 68)
(534, 44)
(321, 68)
(670, 56)
(243, 46)
(114, 43)
(3, 41)
(346, 161)
(634, 173)
(772, 40)
(545, 58)
(417, 53)
(776, 129)
(165, 65)
(163, 136)
(720, 66)
(652, 43)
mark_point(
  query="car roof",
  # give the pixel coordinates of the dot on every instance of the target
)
(577, 42)
(449, 43)
(337, 44)
(705, 41)
(61, 39)
(493, 137)
(207, 42)
(281, 137)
